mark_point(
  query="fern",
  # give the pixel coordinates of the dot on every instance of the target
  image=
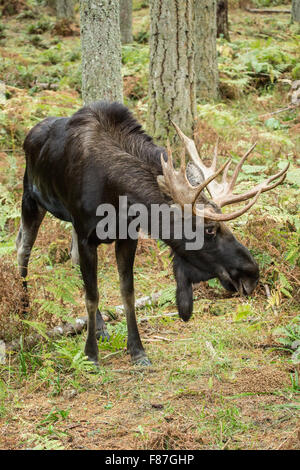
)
(60, 288)
(289, 337)
(118, 337)
(168, 296)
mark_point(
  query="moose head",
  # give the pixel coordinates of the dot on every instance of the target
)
(221, 256)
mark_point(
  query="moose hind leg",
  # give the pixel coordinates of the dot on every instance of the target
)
(125, 252)
(31, 219)
(88, 267)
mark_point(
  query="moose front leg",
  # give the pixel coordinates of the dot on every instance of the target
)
(74, 248)
(32, 217)
(125, 252)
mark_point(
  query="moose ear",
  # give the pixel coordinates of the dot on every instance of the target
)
(184, 290)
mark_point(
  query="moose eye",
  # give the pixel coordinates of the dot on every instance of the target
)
(210, 231)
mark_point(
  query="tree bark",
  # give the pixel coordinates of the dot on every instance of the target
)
(172, 74)
(222, 19)
(206, 65)
(64, 9)
(126, 21)
(296, 11)
(52, 4)
(101, 51)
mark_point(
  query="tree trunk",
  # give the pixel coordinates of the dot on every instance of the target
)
(126, 21)
(101, 50)
(171, 77)
(206, 65)
(296, 11)
(222, 19)
(52, 4)
(243, 4)
(65, 9)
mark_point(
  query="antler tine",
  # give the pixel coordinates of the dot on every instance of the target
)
(189, 145)
(239, 166)
(175, 182)
(208, 214)
(208, 180)
(277, 175)
(261, 187)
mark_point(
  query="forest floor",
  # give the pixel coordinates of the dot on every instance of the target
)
(229, 378)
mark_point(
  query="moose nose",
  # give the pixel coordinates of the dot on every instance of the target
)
(247, 286)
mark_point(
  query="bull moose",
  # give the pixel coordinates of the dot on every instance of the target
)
(100, 153)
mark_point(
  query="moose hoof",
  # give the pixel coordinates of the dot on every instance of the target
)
(94, 361)
(103, 334)
(142, 361)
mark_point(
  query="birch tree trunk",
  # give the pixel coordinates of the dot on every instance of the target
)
(222, 19)
(101, 50)
(206, 65)
(126, 21)
(172, 75)
(296, 11)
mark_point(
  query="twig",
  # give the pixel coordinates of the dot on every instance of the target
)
(170, 314)
(151, 340)
(226, 444)
(266, 11)
(278, 111)
(281, 110)
(113, 354)
(163, 338)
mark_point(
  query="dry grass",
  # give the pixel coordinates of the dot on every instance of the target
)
(12, 309)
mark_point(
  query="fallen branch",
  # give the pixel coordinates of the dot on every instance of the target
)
(67, 329)
(141, 302)
(288, 108)
(162, 338)
(71, 329)
(278, 111)
(263, 11)
(169, 314)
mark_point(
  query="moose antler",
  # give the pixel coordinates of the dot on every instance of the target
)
(176, 183)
